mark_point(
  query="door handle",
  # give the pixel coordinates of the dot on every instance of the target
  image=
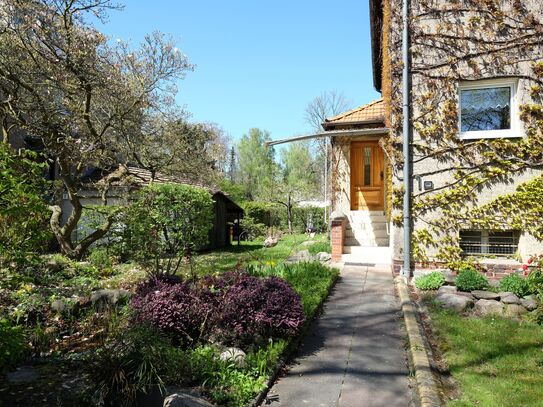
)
(382, 175)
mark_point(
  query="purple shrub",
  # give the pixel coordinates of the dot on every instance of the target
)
(253, 307)
(233, 307)
(172, 307)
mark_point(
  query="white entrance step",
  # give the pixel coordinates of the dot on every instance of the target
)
(367, 255)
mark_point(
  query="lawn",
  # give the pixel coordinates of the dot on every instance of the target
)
(494, 361)
(230, 257)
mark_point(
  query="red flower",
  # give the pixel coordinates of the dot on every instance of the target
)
(525, 267)
(530, 260)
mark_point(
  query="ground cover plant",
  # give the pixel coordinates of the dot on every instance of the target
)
(495, 361)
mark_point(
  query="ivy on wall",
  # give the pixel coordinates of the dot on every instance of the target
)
(454, 41)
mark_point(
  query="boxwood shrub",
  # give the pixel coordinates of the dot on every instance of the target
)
(469, 280)
(431, 281)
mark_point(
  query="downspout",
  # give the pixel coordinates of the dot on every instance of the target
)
(406, 270)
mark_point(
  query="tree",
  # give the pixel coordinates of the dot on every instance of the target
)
(89, 104)
(326, 105)
(298, 178)
(232, 165)
(255, 162)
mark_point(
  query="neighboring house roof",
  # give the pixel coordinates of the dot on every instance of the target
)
(371, 113)
(139, 177)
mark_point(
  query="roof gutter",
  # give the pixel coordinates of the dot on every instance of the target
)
(332, 133)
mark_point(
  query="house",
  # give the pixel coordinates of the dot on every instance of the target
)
(469, 137)
(226, 212)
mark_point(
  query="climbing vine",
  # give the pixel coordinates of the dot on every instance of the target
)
(483, 183)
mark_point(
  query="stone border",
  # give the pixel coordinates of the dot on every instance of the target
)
(293, 346)
(427, 386)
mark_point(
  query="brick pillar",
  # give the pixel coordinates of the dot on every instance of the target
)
(337, 238)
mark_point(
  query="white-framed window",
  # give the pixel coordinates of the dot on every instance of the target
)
(488, 109)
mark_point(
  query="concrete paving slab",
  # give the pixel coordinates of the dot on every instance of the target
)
(353, 355)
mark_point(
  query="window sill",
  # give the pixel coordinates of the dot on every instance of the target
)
(476, 135)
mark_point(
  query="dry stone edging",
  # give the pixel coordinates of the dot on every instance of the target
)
(456, 302)
(488, 307)
(425, 381)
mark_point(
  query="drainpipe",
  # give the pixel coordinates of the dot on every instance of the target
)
(406, 270)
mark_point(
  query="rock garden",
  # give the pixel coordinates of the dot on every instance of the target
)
(470, 292)
(485, 336)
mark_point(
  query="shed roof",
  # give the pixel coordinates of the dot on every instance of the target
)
(373, 112)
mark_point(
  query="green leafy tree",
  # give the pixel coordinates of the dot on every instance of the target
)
(23, 212)
(298, 178)
(256, 167)
(166, 224)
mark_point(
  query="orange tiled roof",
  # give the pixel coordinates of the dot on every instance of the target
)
(371, 112)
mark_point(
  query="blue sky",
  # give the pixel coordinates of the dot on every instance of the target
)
(258, 63)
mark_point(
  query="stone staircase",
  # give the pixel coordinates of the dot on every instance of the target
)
(366, 238)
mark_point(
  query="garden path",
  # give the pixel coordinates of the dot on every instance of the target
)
(353, 355)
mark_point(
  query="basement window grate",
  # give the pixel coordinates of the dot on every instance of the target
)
(489, 242)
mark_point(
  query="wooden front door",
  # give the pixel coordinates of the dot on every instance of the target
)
(367, 176)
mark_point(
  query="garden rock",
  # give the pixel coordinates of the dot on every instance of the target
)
(449, 275)
(514, 310)
(301, 256)
(488, 307)
(446, 289)
(485, 295)
(529, 303)
(458, 303)
(185, 399)
(509, 298)
(105, 297)
(235, 355)
(52, 265)
(23, 374)
(324, 257)
(271, 241)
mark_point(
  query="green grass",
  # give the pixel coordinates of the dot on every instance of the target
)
(320, 246)
(229, 258)
(495, 361)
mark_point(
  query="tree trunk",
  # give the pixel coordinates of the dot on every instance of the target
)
(289, 213)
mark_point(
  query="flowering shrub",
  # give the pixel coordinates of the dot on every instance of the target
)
(171, 306)
(266, 307)
(535, 275)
